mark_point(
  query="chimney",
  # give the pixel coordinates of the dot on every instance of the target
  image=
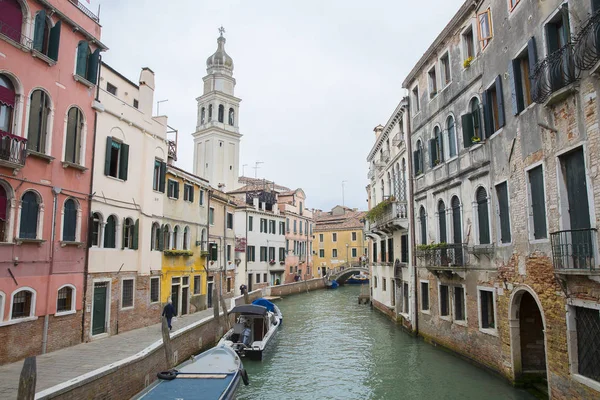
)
(378, 129)
(146, 99)
(255, 203)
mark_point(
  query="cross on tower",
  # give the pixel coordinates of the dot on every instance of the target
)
(221, 30)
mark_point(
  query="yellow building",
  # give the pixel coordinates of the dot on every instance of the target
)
(338, 239)
(183, 240)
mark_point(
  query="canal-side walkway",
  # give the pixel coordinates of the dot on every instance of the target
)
(63, 365)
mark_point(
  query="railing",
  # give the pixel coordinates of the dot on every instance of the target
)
(444, 256)
(573, 250)
(84, 10)
(398, 139)
(587, 43)
(13, 149)
(15, 35)
(554, 73)
(393, 210)
(172, 149)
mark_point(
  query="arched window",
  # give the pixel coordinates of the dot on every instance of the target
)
(475, 113)
(155, 243)
(30, 209)
(483, 217)
(456, 220)
(7, 101)
(65, 300)
(389, 184)
(110, 233)
(442, 221)
(423, 221)
(403, 180)
(74, 135)
(176, 237)
(69, 221)
(221, 113)
(167, 237)
(23, 304)
(202, 115)
(210, 107)
(451, 136)
(128, 233)
(11, 17)
(96, 229)
(186, 237)
(39, 121)
(418, 159)
(4, 213)
(382, 190)
(438, 157)
(45, 37)
(203, 244)
(2, 300)
(87, 62)
(231, 117)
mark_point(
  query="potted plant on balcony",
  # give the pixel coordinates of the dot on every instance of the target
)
(475, 139)
(272, 262)
(467, 62)
(281, 262)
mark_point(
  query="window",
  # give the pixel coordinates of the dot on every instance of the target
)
(334, 253)
(110, 232)
(282, 228)
(418, 159)
(87, 62)
(155, 289)
(354, 253)
(69, 221)
(493, 107)
(117, 159)
(201, 197)
(322, 253)
(354, 236)
(251, 253)
(8, 96)
(110, 88)
(272, 226)
(334, 237)
(459, 303)
(159, 178)
(483, 218)
(230, 221)
(375, 282)
(73, 142)
(39, 121)
(186, 238)
(30, 207)
(471, 124)
(263, 225)
(231, 116)
(301, 230)
(468, 44)
(295, 226)
(128, 233)
(503, 212)
(250, 223)
(442, 222)
(558, 34)
(271, 253)
(538, 203)
(166, 237)
(415, 99)
(221, 113)
(12, 19)
(96, 225)
(127, 293)
(445, 69)
(424, 296)
(444, 301)
(46, 38)
(173, 189)
(229, 284)
(197, 284)
(405, 297)
(155, 243)
(484, 27)
(210, 112)
(263, 253)
(588, 330)
(519, 70)
(320, 237)
(176, 237)
(432, 79)
(423, 222)
(512, 4)
(436, 146)
(383, 284)
(486, 309)
(451, 136)
(64, 299)
(287, 224)
(188, 193)
(281, 254)
(257, 278)
(23, 304)
(228, 252)
(136, 103)
(211, 216)
(374, 251)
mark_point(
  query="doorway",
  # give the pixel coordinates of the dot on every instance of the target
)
(209, 291)
(175, 297)
(99, 306)
(249, 283)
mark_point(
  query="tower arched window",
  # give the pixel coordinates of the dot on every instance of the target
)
(30, 210)
(221, 113)
(202, 115)
(483, 218)
(423, 222)
(451, 136)
(110, 232)
(7, 102)
(11, 18)
(4, 213)
(231, 117)
(442, 221)
(96, 229)
(210, 112)
(74, 136)
(39, 121)
(70, 221)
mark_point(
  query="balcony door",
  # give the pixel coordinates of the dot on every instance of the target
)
(561, 61)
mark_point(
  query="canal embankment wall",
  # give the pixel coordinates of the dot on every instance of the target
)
(296, 287)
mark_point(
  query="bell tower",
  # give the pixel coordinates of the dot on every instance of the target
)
(217, 136)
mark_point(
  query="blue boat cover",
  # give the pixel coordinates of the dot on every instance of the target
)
(334, 284)
(189, 389)
(265, 303)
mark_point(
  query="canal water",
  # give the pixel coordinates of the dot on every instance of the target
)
(329, 347)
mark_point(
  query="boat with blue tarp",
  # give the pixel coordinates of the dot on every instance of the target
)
(358, 279)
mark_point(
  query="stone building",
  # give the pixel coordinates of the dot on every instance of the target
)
(387, 224)
(504, 132)
(49, 54)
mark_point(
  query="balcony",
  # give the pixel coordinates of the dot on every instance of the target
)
(385, 156)
(13, 150)
(587, 43)
(371, 174)
(443, 256)
(398, 140)
(84, 10)
(573, 252)
(389, 215)
(553, 74)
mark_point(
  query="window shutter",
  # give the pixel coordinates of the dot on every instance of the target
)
(502, 192)
(467, 130)
(487, 116)
(92, 67)
(516, 88)
(124, 162)
(483, 217)
(538, 203)
(176, 187)
(82, 53)
(192, 194)
(54, 41)
(161, 239)
(123, 237)
(500, 100)
(107, 156)
(38, 31)
(432, 152)
(136, 234)
(163, 177)
(416, 162)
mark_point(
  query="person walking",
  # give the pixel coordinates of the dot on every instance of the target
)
(169, 312)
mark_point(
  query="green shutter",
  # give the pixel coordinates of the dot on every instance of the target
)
(124, 161)
(488, 123)
(54, 41)
(192, 193)
(38, 31)
(136, 234)
(214, 252)
(163, 177)
(500, 101)
(161, 239)
(502, 192)
(467, 130)
(483, 216)
(107, 156)
(432, 152)
(92, 67)
(516, 87)
(123, 237)
(82, 58)
(176, 187)
(416, 163)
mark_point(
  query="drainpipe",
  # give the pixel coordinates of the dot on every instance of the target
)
(246, 258)
(411, 220)
(55, 192)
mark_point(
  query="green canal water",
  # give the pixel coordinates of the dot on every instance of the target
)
(329, 347)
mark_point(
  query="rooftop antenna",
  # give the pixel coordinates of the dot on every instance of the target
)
(343, 200)
(256, 167)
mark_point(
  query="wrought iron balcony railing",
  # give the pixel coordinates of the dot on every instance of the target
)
(84, 10)
(553, 73)
(587, 43)
(574, 250)
(13, 150)
(451, 255)
(15, 35)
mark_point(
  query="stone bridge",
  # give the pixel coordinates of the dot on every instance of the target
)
(341, 275)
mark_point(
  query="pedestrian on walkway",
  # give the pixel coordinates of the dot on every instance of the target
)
(169, 312)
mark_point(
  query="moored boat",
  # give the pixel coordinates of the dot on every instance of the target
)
(332, 284)
(358, 279)
(213, 375)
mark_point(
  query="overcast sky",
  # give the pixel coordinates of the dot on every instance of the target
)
(315, 76)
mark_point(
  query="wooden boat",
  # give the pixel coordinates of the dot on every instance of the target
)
(254, 328)
(358, 279)
(213, 375)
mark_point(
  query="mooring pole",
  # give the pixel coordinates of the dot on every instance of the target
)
(27, 380)
(166, 336)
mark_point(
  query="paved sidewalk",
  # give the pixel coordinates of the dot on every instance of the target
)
(71, 362)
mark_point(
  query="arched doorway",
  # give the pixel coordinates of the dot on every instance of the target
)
(528, 340)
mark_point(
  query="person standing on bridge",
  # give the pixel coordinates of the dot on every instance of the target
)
(169, 312)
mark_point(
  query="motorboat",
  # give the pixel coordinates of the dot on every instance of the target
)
(332, 284)
(215, 374)
(358, 279)
(255, 326)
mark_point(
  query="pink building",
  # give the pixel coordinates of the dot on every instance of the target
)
(49, 55)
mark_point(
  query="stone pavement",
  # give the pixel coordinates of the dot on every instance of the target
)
(71, 362)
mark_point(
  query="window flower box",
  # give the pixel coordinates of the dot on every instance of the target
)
(272, 262)
(178, 253)
(467, 62)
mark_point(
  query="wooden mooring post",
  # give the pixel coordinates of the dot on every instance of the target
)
(27, 380)
(166, 336)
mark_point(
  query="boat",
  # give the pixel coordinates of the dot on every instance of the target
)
(213, 375)
(332, 284)
(358, 279)
(254, 328)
